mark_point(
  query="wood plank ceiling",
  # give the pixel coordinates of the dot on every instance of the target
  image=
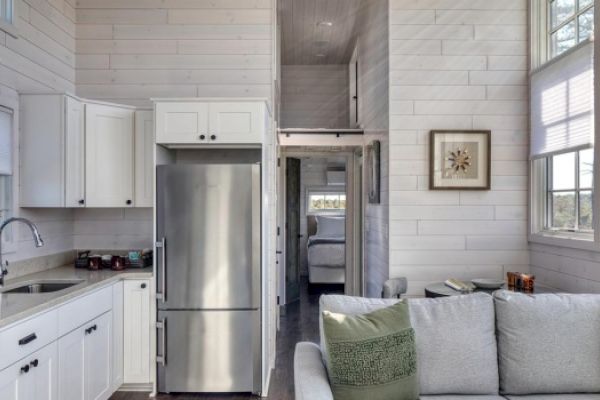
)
(307, 40)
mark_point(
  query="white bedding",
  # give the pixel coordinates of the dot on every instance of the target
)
(330, 255)
(327, 251)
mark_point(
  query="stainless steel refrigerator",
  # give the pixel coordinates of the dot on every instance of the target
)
(208, 278)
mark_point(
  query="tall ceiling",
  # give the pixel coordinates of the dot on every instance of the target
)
(306, 37)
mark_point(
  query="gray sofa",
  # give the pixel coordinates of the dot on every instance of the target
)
(480, 347)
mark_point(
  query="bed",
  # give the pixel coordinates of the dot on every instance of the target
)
(326, 249)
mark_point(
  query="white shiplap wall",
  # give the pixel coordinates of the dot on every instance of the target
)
(41, 59)
(131, 50)
(457, 64)
(373, 59)
(314, 96)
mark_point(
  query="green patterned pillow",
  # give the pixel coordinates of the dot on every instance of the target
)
(371, 356)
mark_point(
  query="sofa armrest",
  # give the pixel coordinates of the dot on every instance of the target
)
(394, 288)
(310, 375)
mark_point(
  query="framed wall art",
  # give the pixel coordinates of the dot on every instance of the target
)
(374, 171)
(459, 160)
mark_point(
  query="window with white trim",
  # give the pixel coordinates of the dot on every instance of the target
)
(570, 188)
(570, 22)
(6, 171)
(6, 11)
(325, 201)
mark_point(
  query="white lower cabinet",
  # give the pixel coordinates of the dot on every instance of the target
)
(85, 361)
(33, 378)
(136, 331)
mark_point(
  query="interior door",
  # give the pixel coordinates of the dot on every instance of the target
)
(292, 222)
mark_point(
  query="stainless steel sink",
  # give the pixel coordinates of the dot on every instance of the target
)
(42, 287)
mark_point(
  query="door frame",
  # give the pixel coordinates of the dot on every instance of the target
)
(354, 271)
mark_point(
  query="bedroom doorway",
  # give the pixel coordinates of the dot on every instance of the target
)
(321, 199)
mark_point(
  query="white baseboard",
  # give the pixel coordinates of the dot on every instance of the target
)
(136, 387)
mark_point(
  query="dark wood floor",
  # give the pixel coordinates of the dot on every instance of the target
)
(300, 323)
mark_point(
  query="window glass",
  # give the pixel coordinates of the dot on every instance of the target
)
(6, 10)
(586, 169)
(586, 24)
(563, 171)
(560, 11)
(585, 210)
(585, 3)
(563, 210)
(564, 38)
(321, 201)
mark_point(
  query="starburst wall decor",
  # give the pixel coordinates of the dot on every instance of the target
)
(460, 160)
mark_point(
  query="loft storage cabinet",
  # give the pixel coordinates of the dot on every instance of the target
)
(210, 122)
(79, 153)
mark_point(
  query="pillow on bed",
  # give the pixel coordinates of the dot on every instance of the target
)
(331, 226)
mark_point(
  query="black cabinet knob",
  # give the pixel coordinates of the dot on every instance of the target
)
(82, 201)
(25, 369)
(128, 202)
(202, 137)
(34, 363)
(213, 137)
(143, 286)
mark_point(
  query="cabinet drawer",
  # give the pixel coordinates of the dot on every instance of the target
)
(83, 309)
(23, 339)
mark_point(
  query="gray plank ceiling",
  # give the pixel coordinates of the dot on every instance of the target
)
(306, 42)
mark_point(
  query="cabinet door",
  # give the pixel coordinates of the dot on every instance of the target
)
(236, 122)
(97, 358)
(117, 317)
(137, 331)
(183, 122)
(14, 383)
(144, 158)
(71, 362)
(74, 153)
(109, 156)
(43, 373)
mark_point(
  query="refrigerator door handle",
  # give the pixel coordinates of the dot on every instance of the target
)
(162, 325)
(162, 295)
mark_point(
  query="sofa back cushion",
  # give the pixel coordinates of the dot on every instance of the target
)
(456, 345)
(548, 343)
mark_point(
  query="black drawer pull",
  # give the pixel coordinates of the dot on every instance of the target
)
(27, 339)
(25, 369)
(34, 363)
(91, 329)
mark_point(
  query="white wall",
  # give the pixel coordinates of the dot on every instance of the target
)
(131, 50)
(41, 59)
(314, 96)
(373, 59)
(458, 65)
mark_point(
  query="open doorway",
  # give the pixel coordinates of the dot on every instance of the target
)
(321, 196)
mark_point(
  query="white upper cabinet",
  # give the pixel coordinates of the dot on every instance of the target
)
(236, 122)
(181, 122)
(109, 156)
(144, 158)
(52, 151)
(226, 122)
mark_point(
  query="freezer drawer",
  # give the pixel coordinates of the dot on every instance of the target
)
(209, 351)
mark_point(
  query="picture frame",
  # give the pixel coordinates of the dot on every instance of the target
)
(374, 171)
(460, 160)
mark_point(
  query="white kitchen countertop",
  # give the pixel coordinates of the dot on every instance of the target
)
(19, 306)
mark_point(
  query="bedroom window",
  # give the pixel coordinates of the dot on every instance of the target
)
(6, 11)
(325, 201)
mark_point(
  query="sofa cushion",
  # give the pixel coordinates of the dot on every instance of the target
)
(373, 355)
(548, 343)
(581, 396)
(456, 344)
(310, 377)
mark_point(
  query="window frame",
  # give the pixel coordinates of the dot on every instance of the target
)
(7, 24)
(324, 190)
(574, 18)
(577, 189)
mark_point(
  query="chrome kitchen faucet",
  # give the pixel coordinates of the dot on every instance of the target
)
(36, 238)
